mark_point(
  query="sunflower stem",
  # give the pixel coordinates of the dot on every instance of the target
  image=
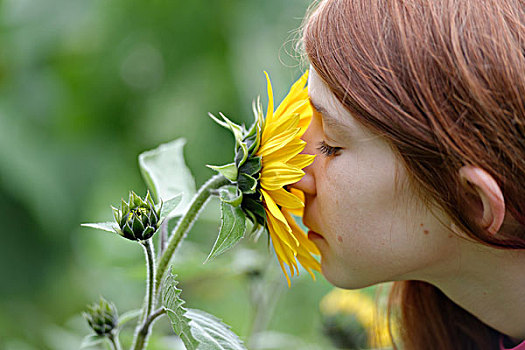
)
(142, 330)
(186, 222)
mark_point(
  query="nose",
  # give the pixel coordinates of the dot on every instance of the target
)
(307, 183)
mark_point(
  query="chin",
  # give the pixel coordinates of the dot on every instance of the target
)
(345, 279)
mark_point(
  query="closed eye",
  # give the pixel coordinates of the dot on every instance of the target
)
(327, 150)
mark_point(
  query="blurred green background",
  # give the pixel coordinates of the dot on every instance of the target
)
(87, 85)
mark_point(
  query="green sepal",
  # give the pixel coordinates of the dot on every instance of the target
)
(231, 194)
(229, 171)
(252, 166)
(233, 223)
(246, 183)
(241, 154)
(228, 124)
(259, 123)
(254, 206)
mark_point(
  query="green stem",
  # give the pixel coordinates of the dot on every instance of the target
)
(150, 292)
(140, 336)
(186, 222)
(142, 333)
(113, 338)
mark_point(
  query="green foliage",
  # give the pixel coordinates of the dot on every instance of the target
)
(173, 305)
(212, 333)
(197, 329)
(166, 174)
(233, 222)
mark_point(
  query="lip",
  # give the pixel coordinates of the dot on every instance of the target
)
(312, 236)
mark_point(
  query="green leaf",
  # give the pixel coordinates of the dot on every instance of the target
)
(212, 333)
(176, 312)
(167, 175)
(233, 227)
(109, 226)
(247, 184)
(252, 166)
(128, 316)
(229, 171)
(230, 194)
(91, 340)
(170, 205)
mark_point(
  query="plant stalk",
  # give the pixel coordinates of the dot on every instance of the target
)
(186, 222)
(113, 338)
(140, 335)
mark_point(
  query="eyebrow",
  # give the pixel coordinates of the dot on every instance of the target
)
(328, 119)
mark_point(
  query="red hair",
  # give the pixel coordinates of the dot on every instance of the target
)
(444, 82)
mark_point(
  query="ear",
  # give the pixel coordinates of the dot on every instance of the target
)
(488, 206)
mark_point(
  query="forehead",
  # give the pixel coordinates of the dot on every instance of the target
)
(325, 102)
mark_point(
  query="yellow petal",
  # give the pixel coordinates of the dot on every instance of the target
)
(297, 212)
(277, 142)
(283, 234)
(301, 161)
(274, 209)
(297, 90)
(299, 234)
(280, 126)
(286, 199)
(276, 175)
(284, 154)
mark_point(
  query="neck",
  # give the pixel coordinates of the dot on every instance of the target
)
(489, 283)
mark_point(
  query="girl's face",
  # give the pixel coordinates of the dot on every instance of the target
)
(362, 214)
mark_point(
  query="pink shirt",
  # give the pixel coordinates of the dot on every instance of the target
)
(520, 346)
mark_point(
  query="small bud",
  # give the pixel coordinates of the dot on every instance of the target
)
(102, 317)
(137, 219)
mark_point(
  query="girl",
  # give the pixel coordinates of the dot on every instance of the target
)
(419, 128)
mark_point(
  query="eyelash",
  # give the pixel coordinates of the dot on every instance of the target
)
(327, 150)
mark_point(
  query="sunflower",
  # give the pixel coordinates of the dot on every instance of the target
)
(282, 165)
(268, 159)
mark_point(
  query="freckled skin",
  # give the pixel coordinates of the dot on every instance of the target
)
(371, 229)
(425, 232)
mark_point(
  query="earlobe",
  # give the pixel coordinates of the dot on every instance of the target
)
(481, 184)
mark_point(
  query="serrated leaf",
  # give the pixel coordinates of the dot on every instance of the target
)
(233, 227)
(170, 205)
(91, 340)
(229, 171)
(175, 311)
(167, 175)
(212, 333)
(108, 226)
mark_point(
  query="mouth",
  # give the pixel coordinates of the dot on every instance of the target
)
(312, 236)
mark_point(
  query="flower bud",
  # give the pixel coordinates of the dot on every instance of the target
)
(102, 317)
(137, 219)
